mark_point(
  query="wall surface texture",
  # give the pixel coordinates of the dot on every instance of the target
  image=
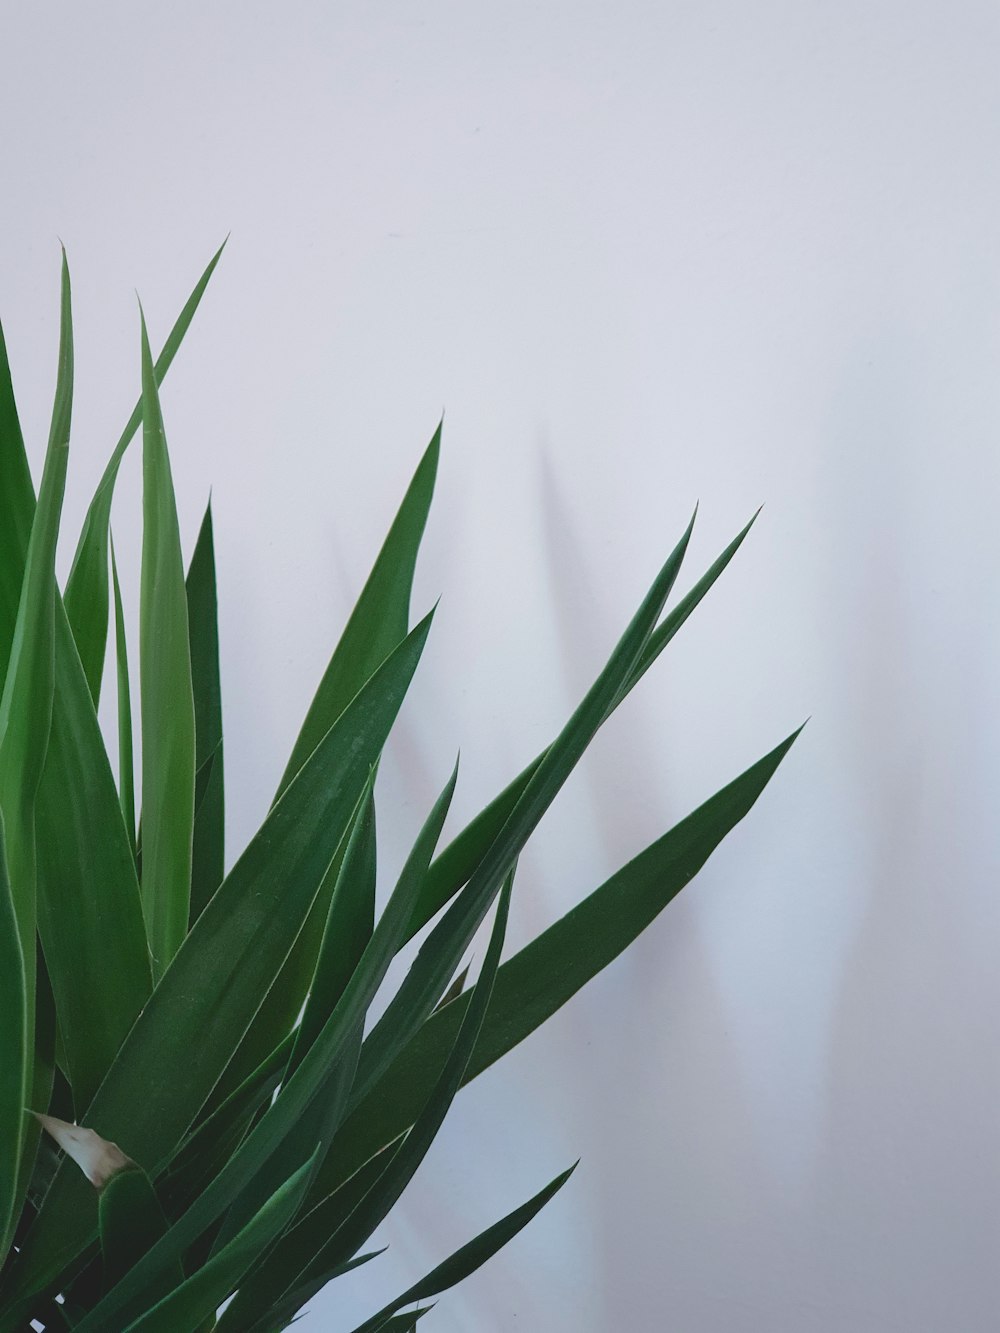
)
(642, 255)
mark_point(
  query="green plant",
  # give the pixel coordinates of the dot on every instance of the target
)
(152, 1006)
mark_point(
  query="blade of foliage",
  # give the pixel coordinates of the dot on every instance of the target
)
(380, 619)
(441, 952)
(89, 912)
(458, 1266)
(13, 1044)
(539, 979)
(179, 1045)
(311, 1076)
(184, 1309)
(377, 623)
(131, 1219)
(87, 586)
(278, 1271)
(460, 858)
(281, 1314)
(375, 1205)
(26, 708)
(166, 695)
(208, 857)
(126, 771)
(19, 506)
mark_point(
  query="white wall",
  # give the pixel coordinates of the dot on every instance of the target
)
(642, 254)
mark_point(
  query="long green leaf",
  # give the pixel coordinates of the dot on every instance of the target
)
(13, 1044)
(166, 694)
(441, 952)
(126, 770)
(185, 1308)
(26, 703)
(281, 1314)
(539, 979)
(178, 1047)
(19, 506)
(458, 1266)
(208, 860)
(87, 586)
(377, 623)
(460, 858)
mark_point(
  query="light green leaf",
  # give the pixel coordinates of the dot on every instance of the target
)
(539, 979)
(166, 695)
(126, 770)
(87, 586)
(208, 859)
(179, 1045)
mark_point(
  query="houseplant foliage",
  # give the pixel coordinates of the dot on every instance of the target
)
(190, 1107)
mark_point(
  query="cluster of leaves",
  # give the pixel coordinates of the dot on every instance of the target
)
(195, 1039)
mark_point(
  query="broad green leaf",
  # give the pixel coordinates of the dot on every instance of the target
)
(26, 708)
(538, 980)
(441, 952)
(18, 506)
(179, 1045)
(208, 859)
(311, 1076)
(126, 771)
(87, 586)
(458, 1266)
(13, 1044)
(89, 912)
(184, 1309)
(377, 623)
(131, 1220)
(166, 696)
(460, 858)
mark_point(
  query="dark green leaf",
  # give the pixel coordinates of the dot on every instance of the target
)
(87, 586)
(131, 1220)
(126, 771)
(13, 1044)
(19, 506)
(166, 697)
(208, 858)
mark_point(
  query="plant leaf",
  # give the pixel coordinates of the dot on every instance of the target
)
(97, 1158)
(19, 506)
(166, 695)
(208, 859)
(178, 1046)
(460, 858)
(466, 1260)
(539, 979)
(13, 1044)
(131, 1221)
(87, 586)
(126, 771)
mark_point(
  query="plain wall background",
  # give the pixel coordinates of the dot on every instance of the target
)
(641, 254)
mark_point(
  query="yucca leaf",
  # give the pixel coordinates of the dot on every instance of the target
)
(277, 1272)
(208, 858)
(19, 506)
(540, 978)
(311, 1076)
(126, 771)
(26, 713)
(346, 987)
(458, 1266)
(375, 1205)
(13, 1044)
(179, 1045)
(377, 623)
(166, 695)
(281, 1314)
(193, 1301)
(441, 952)
(87, 587)
(131, 1219)
(460, 858)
